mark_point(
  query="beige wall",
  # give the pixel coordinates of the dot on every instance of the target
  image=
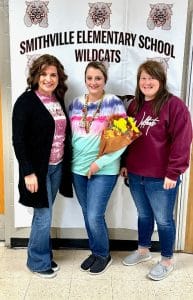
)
(8, 230)
(1, 162)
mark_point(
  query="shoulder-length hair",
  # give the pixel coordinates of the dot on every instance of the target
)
(156, 71)
(38, 66)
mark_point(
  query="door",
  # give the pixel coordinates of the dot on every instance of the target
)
(188, 247)
(189, 219)
(1, 163)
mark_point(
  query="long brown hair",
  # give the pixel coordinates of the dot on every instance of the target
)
(154, 69)
(38, 66)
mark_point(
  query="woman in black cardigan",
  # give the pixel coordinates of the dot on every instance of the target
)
(42, 144)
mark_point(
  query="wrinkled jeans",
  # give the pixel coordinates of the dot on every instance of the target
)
(154, 202)
(39, 246)
(93, 195)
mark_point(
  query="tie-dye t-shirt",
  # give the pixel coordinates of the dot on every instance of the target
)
(55, 109)
(86, 145)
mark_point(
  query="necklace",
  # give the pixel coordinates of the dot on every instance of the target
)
(86, 122)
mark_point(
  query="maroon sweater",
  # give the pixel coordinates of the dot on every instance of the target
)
(163, 150)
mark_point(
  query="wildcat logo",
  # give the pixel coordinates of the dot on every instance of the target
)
(162, 60)
(160, 16)
(99, 15)
(36, 13)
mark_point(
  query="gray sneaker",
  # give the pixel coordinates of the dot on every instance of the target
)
(136, 258)
(159, 272)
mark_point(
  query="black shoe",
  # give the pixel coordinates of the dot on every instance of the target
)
(88, 262)
(46, 274)
(54, 266)
(100, 265)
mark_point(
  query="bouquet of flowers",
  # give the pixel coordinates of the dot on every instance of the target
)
(119, 133)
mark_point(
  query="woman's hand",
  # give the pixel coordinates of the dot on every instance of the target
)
(123, 172)
(31, 183)
(93, 169)
(169, 183)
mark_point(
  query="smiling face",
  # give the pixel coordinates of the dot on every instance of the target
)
(95, 83)
(48, 80)
(148, 85)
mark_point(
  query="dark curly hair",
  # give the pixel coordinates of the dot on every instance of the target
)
(38, 66)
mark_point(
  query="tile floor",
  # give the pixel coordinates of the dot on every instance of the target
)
(117, 283)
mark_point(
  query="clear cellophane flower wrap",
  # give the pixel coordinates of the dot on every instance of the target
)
(119, 133)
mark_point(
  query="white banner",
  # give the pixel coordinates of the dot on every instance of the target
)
(124, 33)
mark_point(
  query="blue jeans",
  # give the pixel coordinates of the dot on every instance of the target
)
(154, 202)
(93, 195)
(39, 246)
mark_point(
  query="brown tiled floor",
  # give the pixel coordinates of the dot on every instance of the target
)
(117, 283)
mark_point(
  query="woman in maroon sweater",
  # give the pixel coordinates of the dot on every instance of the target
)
(154, 162)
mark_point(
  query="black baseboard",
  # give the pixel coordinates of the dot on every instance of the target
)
(115, 245)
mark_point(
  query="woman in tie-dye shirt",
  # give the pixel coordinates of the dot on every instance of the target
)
(42, 144)
(94, 177)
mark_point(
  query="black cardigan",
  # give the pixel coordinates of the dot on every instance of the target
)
(33, 132)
